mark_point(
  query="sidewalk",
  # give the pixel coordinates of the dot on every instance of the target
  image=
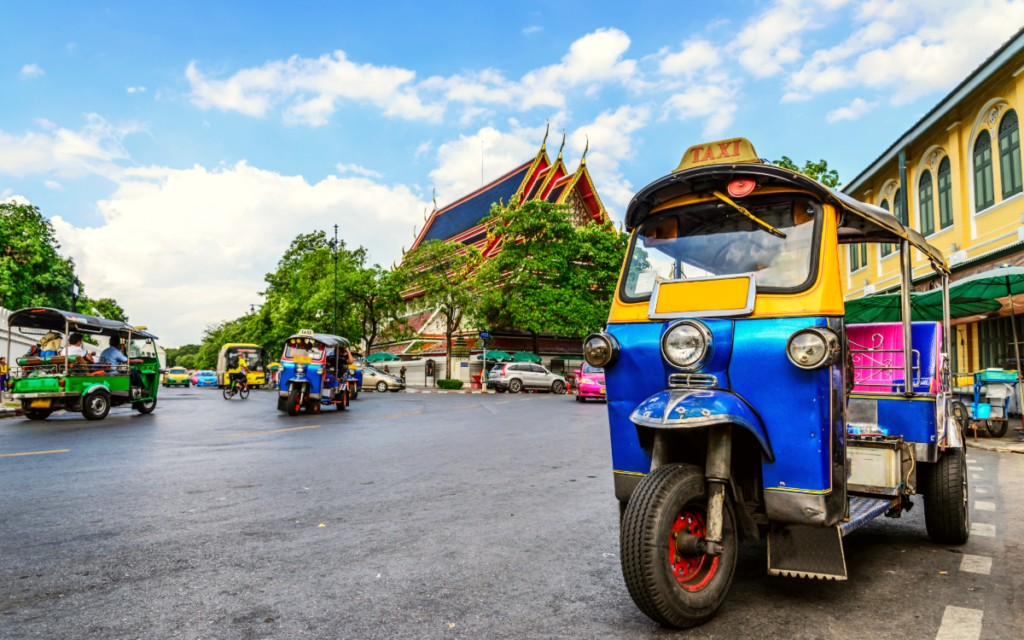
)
(9, 412)
(412, 389)
(1007, 444)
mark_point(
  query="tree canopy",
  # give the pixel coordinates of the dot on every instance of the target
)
(32, 272)
(817, 170)
(550, 276)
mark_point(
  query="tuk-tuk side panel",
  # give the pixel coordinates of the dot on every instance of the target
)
(795, 405)
(638, 374)
(913, 418)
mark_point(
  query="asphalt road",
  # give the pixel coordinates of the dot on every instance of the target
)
(444, 516)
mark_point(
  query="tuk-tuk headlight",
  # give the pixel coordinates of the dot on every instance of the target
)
(813, 348)
(600, 350)
(300, 370)
(686, 345)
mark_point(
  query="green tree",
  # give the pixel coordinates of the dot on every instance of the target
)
(550, 276)
(374, 298)
(109, 309)
(817, 170)
(32, 272)
(443, 272)
(187, 361)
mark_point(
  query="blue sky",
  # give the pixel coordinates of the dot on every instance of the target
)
(180, 148)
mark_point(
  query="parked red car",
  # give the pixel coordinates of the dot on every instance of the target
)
(590, 383)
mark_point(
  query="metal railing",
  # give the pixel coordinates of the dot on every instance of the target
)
(873, 365)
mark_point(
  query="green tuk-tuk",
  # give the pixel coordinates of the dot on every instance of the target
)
(51, 381)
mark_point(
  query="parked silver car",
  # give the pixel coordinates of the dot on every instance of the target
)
(518, 376)
(377, 379)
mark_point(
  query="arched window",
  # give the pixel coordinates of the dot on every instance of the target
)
(886, 247)
(945, 194)
(1009, 154)
(926, 204)
(897, 208)
(984, 195)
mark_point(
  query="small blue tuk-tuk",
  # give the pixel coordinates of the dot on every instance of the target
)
(741, 402)
(314, 368)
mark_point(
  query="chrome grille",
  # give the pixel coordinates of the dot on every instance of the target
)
(688, 380)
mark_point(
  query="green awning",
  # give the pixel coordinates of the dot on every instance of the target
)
(924, 306)
(988, 285)
(381, 356)
(525, 356)
(495, 356)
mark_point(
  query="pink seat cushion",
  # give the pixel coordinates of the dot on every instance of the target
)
(926, 338)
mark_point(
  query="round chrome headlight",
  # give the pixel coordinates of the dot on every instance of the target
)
(686, 344)
(300, 370)
(600, 350)
(813, 348)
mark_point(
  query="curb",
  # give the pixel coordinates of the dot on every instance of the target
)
(10, 413)
(988, 447)
(448, 391)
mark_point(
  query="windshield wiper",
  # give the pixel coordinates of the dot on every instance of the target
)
(724, 198)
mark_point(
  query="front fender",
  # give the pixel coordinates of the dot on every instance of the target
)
(695, 408)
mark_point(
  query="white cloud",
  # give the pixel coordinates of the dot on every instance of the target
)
(532, 29)
(714, 98)
(943, 41)
(135, 89)
(53, 184)
(697, 55)
(424, 148)
(853, 111)
(92, 149)
(611, 142)
(496, 153)
(15, 199)
(327, 79)
(356, 169)
(227, 221)
(32, 71)
(312, 89)
(772, 39)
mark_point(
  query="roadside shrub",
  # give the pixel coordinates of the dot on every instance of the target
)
(450, 384)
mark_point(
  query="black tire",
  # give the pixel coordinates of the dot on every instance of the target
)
(145, 407)
(96, 406)
(38, 414)
(343, 403)
(228, 393)
(382, 386)
(946, 514)
(353, 395)
(244, 394)
(653, 576)
(558, 388)
(579, 398)
(500, 390)
(293, 401)
(515, 386)
(997, 428)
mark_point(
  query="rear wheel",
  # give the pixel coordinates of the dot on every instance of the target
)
(959, 412)
(146, 406)
(244, 394)
(558, 387)
(96, 406)
(294, 405)
(946, 516)
(515, 386)
(997, 428)
(672, 587)
(382, 386)
(38, 414)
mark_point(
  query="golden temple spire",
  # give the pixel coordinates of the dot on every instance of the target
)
(543, 144)
(563, 145)
(424, 214)
(583, 160)
(435, 199)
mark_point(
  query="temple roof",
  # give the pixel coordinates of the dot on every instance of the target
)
(466, 213)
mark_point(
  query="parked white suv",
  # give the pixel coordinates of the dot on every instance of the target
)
(518, 376)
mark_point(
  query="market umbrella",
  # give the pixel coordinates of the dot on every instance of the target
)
(381, 356)
(495, 356)
(885, 307)
(525, 356)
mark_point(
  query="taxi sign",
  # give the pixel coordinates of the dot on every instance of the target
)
(732, 151)
(306, 332)
(302, 360)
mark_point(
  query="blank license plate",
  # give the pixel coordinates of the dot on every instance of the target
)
(40, 404)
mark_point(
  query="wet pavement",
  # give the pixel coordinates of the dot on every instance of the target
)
(418, 516)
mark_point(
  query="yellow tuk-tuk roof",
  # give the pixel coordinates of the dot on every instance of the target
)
(714, 165)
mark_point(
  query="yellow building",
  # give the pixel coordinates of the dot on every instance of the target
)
(961, 188)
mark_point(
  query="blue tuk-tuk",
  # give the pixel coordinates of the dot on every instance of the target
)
(741, 403)
(314, 368)
(355, 376)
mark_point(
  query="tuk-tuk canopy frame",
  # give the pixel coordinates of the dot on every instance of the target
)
(859, 221)
(48, 319)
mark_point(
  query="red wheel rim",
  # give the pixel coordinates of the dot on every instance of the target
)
(692, 572)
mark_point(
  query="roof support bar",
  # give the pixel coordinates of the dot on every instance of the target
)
(906, 284)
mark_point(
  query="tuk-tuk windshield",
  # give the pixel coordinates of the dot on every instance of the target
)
(713, 239)
(142, 348)
(303, 347)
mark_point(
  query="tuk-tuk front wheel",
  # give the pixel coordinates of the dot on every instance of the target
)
(38, 414)
(294, 403)
(674, 588)
(946, 514)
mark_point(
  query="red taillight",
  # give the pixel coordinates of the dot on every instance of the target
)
(741, 187)
(503, 369)
(61, 383)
